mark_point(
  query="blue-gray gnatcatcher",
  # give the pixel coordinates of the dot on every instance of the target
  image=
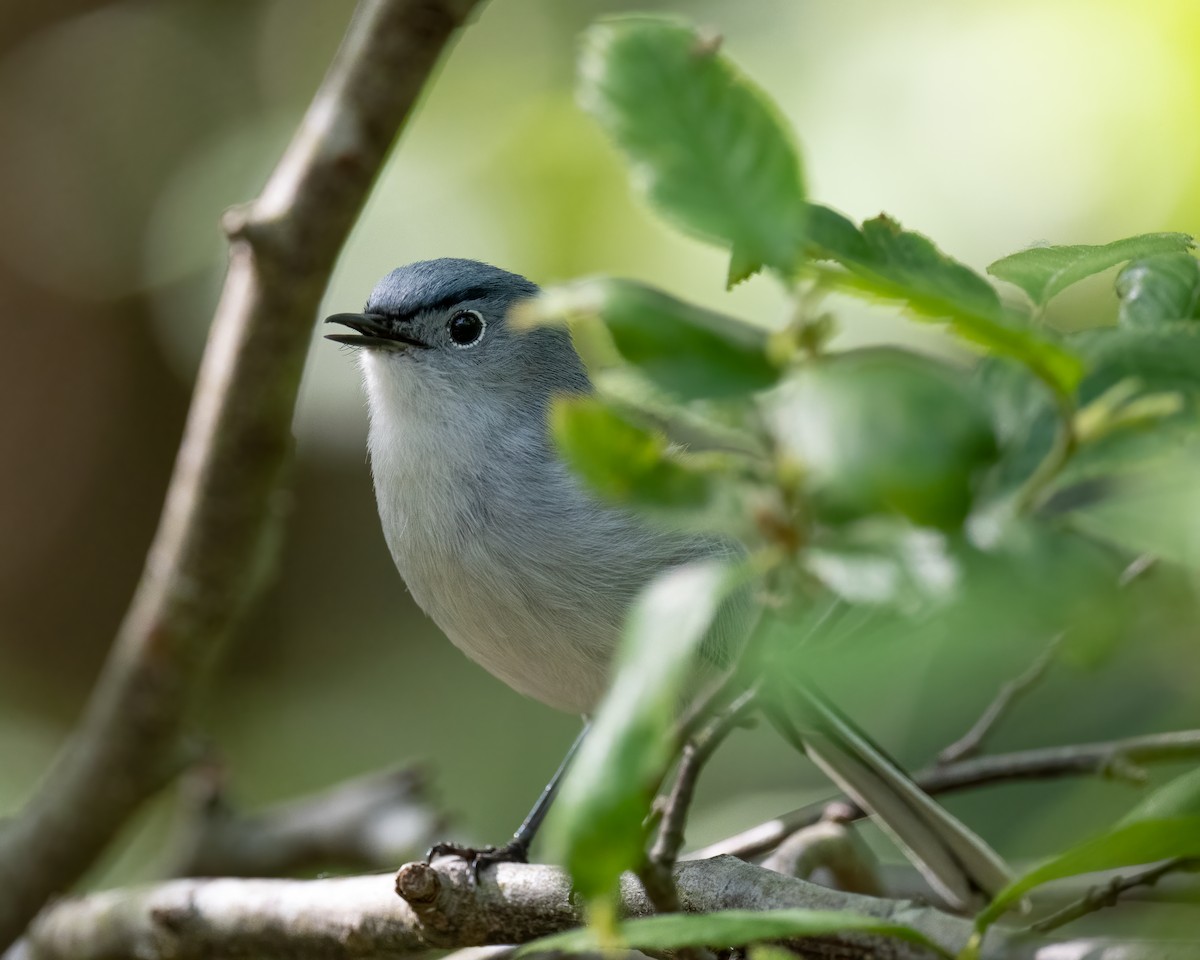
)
(522, 568)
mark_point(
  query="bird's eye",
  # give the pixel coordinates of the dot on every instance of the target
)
(466, 328)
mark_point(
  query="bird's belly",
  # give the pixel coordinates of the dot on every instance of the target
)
(556, 654)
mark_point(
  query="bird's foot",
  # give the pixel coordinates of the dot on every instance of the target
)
(479, 857)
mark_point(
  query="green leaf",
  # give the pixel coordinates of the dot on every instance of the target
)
(728, 928)
(595, 826)
(1129, 844)
(1159, 289)
(888, 262)
(620, 460)
(1179, 797)
(705, 145)
(883, 430)
(1043, 272)
(1153, 506)
(1163, 357)
(686, 350)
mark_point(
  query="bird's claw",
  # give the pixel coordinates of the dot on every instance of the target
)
(480, 857)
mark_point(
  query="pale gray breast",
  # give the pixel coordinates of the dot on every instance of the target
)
(521, 568)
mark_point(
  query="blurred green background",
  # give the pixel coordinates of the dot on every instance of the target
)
(127, 127)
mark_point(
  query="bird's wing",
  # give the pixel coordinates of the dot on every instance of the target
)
(957, 862)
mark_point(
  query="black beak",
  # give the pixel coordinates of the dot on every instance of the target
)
(371, 330)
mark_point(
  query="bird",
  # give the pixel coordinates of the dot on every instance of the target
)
(516, 560)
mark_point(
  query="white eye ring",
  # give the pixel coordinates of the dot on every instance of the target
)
(469, 323)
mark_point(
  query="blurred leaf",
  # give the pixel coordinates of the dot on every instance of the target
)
(884, 431)
(595, 827)
(886, 261)
(1043, 272)
(1152, 507)
(706, 145)
(1176, 798)
(1162, 357)
(1164, 825)
(1159, 289)
(728, 928)
(887, 564)
(686, 350)
(620, 460)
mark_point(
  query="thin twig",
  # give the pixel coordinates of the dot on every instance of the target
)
(1107, 895)
(1116, 759)
(223, 501)
(971, 742)
(660, 861)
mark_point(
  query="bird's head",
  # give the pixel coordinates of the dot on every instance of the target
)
(441, 327)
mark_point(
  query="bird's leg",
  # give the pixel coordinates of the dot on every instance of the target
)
(517, 849)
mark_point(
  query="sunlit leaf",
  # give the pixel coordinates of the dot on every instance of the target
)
(620, 460)
(890, 263)
(595, 827)
(1043, 272)
(729, 928)
(687, 350)
(1159, 289)
(705, 145)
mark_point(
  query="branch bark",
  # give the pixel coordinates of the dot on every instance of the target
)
(445, 907)
(224, 497)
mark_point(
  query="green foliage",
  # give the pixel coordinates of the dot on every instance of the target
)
(883, 260)
(1163, 826)
(675, 106)
(893, 497)
(1158, 290)
(885, 431)
(595, 827)
(620, 460)
(1044, 272)
(727, 929)
(686, 350)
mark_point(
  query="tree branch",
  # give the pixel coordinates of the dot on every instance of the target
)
(223, 501)
(368, 823)
(445, 907)
(1113, 758)
(1107, 895)
(971, 742)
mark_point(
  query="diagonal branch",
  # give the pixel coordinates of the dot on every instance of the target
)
(1113, 758)
(971, 742)
(223, 502)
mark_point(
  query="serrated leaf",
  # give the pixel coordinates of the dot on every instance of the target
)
(595, 826)
(728, 928)
(620, 460)
(1159, 290)
(688, 351)
(1130, 844)
(890, 263)
(1043, 272)
(704, 144)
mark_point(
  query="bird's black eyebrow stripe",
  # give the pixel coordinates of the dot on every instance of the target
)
(473, 293)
